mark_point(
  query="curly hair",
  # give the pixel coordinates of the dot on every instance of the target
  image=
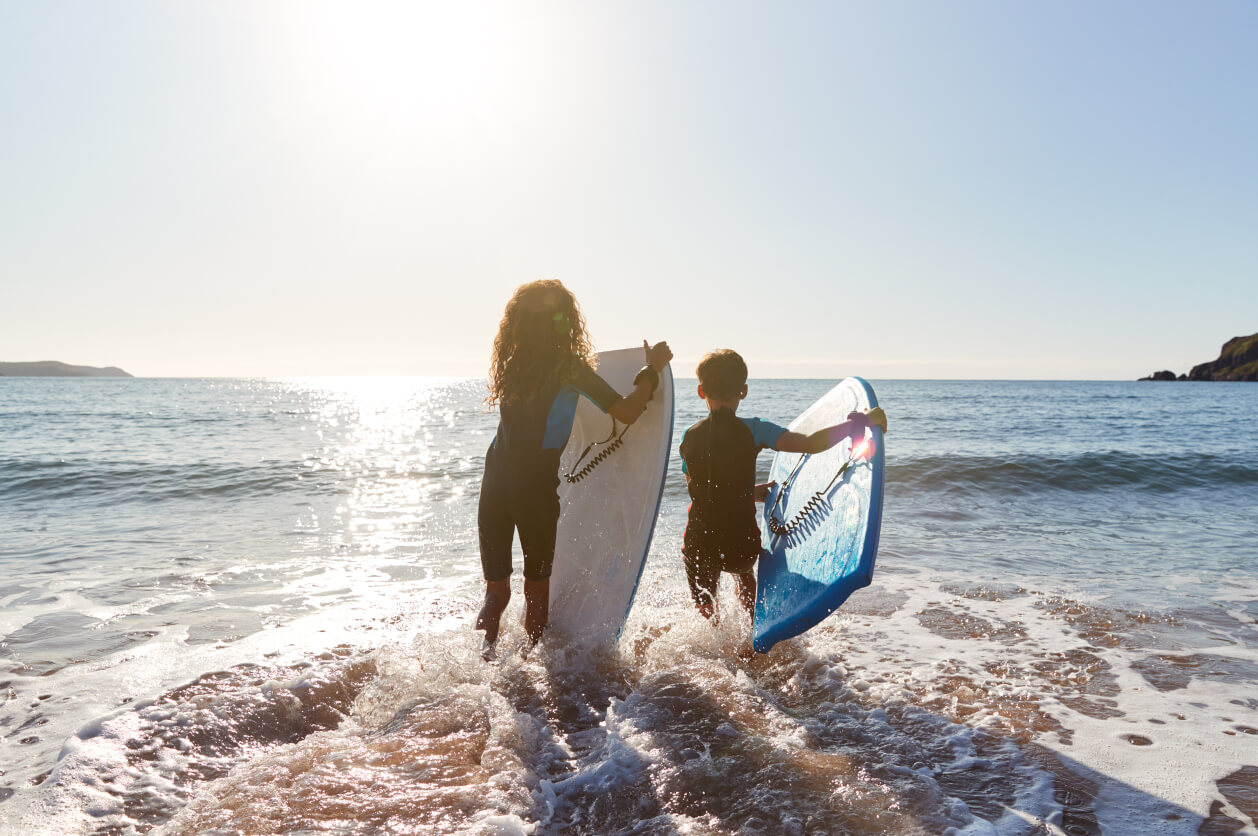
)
(541, 341)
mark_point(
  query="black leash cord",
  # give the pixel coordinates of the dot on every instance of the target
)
(613, 443)
(781, 528)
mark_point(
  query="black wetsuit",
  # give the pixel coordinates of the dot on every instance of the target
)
(519, 488)
(719, 457)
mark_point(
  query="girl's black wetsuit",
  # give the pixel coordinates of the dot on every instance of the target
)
(519, 488)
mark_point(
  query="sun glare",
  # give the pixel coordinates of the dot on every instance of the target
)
(441, 77)
(863, 449)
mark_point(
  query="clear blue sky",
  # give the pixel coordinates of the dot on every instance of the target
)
(928, 189)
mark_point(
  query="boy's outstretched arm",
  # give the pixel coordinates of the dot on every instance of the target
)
(856, 424)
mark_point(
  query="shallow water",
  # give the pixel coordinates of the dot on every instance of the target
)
(243, 606)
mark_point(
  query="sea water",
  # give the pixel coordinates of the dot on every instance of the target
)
(245, 606)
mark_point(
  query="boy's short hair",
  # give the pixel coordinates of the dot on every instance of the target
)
(722, 373)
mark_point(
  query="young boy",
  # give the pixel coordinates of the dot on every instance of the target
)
(719, 461)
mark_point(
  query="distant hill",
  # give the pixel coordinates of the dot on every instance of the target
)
(53, 368)
(1238, 360)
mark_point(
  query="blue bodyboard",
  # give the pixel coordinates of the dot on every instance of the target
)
(832, 524)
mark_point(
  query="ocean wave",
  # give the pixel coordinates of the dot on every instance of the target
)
(1084, 472)
(27, 480)
(118, 482)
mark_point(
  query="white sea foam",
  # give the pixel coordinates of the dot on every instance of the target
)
(1189, 746)
(874, 677)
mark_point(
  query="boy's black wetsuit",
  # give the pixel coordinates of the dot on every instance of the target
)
(719, 457)
(518, 490)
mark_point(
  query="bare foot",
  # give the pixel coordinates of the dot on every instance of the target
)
(489, 620)
(497, 594)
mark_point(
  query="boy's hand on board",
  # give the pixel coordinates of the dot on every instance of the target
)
(762, 491)
(877, 417)
(658, 355)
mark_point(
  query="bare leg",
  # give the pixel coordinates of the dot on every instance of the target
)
(746, 582)
(536, 607)
(703, 575)
(707, 606)
(497, 594)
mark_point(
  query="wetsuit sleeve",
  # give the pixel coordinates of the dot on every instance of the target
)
(765, 433)
(599, 391)
(563, 409)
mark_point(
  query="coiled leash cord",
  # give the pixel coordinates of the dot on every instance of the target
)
(781, 528)
(614, 440)
(613, 443)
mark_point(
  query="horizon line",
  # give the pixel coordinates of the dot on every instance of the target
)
(383, 375)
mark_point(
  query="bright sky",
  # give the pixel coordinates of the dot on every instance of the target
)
(904, 189)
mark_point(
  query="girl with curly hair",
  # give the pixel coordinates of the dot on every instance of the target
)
(542, 363)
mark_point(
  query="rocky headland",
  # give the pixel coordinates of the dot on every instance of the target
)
(1238, 360)
(54, 368)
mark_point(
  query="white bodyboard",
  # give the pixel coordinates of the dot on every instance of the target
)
(607, 519)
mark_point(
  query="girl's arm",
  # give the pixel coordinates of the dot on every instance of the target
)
(856, 424)
(627, 409)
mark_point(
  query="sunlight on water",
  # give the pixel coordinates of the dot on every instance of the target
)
(385, 435)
